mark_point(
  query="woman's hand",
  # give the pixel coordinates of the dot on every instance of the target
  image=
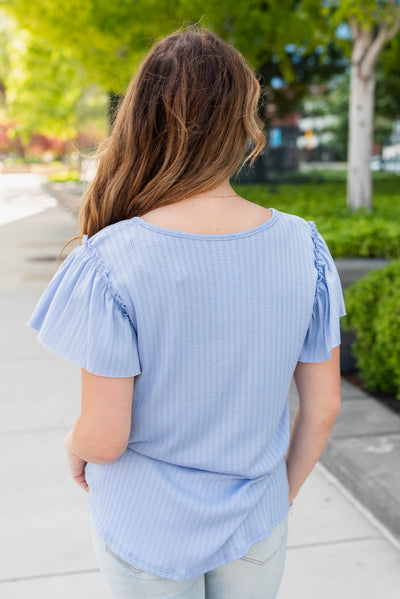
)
(77, 465)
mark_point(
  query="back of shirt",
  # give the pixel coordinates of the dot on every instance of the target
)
(212, 326)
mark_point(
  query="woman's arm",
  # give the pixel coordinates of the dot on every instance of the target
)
(318, 386)
(101, 433)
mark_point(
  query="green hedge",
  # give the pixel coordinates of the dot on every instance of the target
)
(361, 237)
(373, 313)
(348, 234)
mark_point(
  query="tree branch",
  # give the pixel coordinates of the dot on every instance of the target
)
(361, 45)
(353, 26)
(396, 26)
(376, 48)
(384, 35)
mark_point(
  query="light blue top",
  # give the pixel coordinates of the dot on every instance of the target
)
(212, 326)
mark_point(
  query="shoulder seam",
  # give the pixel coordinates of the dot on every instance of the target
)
(104, 272)
(319, 263)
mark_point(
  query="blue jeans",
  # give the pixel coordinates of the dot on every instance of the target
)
(256, 575)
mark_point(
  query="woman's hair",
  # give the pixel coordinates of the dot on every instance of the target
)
(186, 123)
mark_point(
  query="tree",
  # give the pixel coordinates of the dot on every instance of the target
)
(289, 37)
(109, 39)
(372, 24)
(45, 89)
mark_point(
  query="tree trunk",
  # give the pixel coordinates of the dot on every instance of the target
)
(361, 117)
(364, 56)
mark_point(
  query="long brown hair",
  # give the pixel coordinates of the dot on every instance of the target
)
(186, 123)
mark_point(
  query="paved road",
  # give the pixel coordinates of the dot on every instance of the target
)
(336, 549)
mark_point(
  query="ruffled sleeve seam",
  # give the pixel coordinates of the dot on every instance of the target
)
(319, 263)
(104, 272)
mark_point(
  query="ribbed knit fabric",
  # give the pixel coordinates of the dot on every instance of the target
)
(212, 326)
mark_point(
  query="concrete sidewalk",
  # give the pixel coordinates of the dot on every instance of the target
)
(336, 548)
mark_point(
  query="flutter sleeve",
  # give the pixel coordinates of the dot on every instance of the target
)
(323, 332)
(81, 317)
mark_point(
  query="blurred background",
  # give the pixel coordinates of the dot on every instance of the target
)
(330, 76)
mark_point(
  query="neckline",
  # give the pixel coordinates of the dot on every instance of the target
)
(217, 236)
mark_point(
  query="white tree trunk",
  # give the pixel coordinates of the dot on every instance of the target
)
(361, 117)
(364, 56)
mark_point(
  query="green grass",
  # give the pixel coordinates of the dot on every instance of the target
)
(321, 196)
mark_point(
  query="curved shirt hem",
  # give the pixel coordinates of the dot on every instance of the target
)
(159, 571)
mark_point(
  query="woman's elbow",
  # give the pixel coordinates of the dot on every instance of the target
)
(106, 455)
(94, 448)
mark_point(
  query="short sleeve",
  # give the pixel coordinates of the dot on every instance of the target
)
(81, 317)
(323, 332)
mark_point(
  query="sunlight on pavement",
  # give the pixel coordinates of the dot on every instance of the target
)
(21, 195)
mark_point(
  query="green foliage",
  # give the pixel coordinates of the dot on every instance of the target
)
(366, 13)
(106, 38)
(347, 233)
(110, 38)
(45, 88)
(35, 71)
(61, 177)
(102, 43)
(262, 30)
(364, 237)
(373, 313)
(387, 98)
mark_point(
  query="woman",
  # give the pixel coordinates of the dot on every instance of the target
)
(189, 309)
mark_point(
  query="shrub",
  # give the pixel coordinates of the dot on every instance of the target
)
(362, 237)
(373, 313)
(348, 234)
